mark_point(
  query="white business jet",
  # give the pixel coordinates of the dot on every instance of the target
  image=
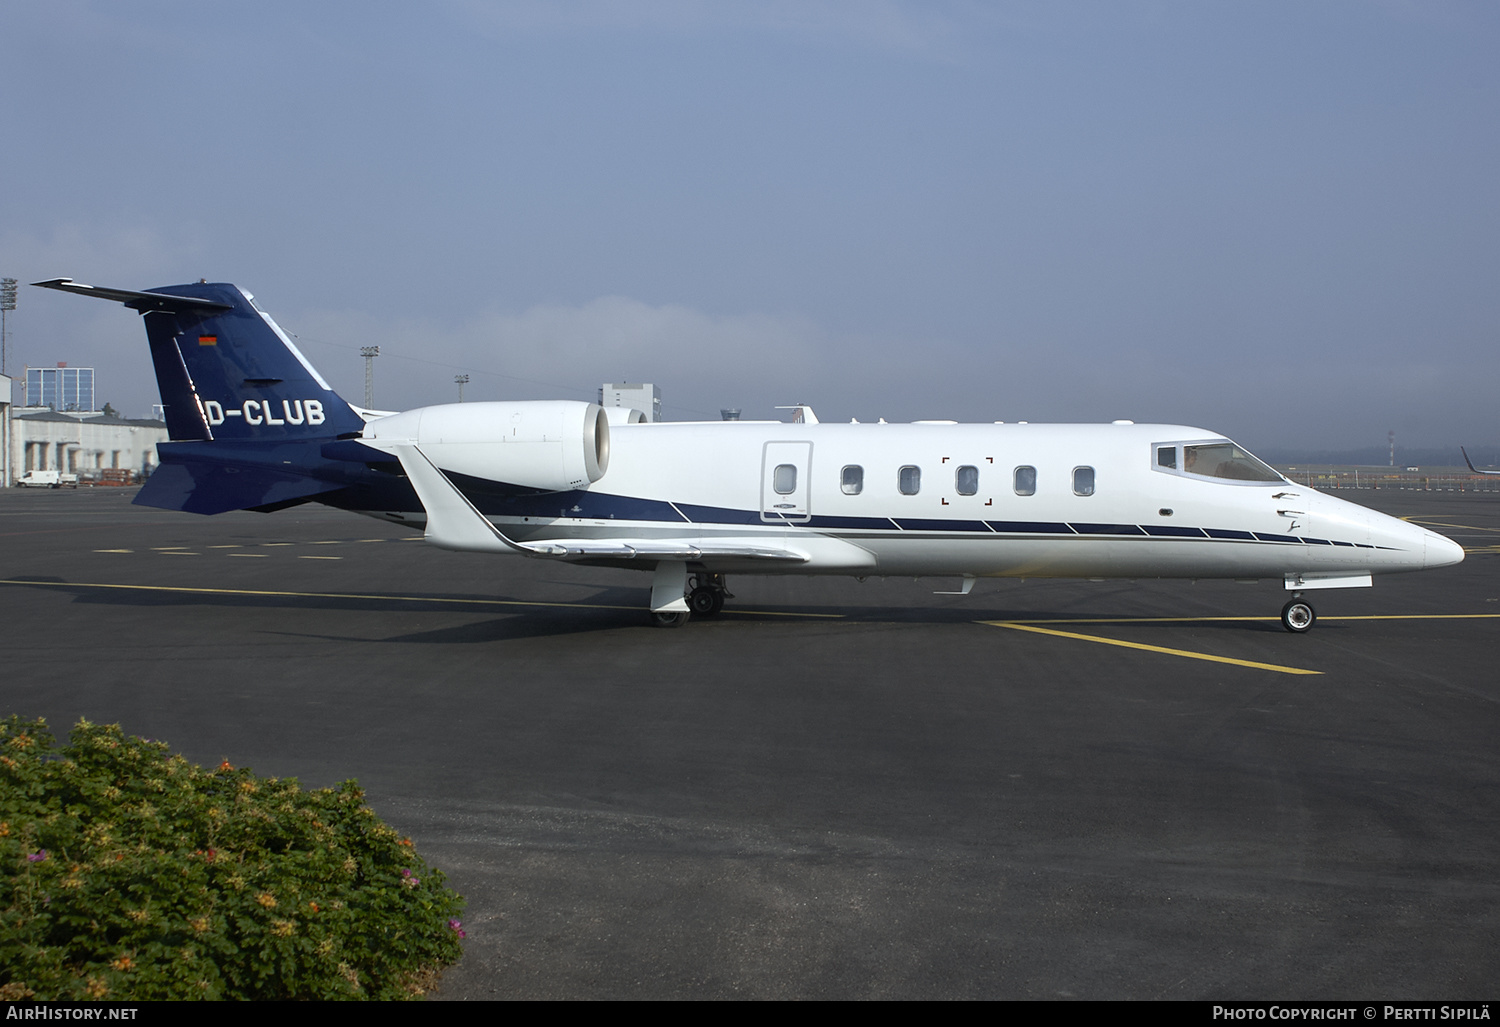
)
(254, 426)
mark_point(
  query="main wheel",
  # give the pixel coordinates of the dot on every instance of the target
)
(706, 601)
(669, 620)
(1298, 615)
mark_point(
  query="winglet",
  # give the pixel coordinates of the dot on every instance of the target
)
(452, 521)
(1476, 470)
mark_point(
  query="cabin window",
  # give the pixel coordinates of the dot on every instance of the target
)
(852, 480)
(1025, 481)
(784, 479)
(966, 480)
(1083, 481)
(1166, 456)
(909, 480)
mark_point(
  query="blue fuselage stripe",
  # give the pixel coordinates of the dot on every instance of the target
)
(500, 500)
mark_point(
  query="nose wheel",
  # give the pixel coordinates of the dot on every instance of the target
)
(1298, 616)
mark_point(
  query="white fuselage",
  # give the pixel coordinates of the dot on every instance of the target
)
(892, 499)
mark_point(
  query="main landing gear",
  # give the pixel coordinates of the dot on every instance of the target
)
(1298, 614)
(705, 597)
(706, 594)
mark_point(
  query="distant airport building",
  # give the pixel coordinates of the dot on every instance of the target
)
(85, 443)
(644, 397)
(60, 388)
(66, 434)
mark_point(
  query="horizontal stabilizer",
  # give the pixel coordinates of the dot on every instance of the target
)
(211, 486)
(141, 301)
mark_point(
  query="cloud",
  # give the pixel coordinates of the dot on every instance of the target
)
(757, 360)
(700, 360)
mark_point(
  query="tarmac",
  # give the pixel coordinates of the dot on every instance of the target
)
(1044, 789)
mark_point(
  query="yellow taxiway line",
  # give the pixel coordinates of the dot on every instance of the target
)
(1263, 619)
(1017, 626)
(1413, 519)
(1035, 627)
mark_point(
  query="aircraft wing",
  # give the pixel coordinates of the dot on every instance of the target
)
(455, 523)
(1476, 470)
(661, 549)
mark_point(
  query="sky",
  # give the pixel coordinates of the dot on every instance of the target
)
(1275, 220)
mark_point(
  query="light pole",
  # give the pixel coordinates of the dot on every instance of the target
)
(7, 303)
(460, 380)
(369, 353)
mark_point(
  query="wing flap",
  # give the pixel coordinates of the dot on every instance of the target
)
(660, 549)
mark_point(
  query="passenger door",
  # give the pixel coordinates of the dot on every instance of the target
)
(784, 484)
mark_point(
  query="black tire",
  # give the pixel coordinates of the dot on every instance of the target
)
(705, 601)
(1298, 616)
(669, 620)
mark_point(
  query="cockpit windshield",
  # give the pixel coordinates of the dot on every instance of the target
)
(1220, 459)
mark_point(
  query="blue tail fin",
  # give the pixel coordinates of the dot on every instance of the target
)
(247, 414)
(245, 378)
(226, 371)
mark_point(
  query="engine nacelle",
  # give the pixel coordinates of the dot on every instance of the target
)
(624, 415)
(551, 445)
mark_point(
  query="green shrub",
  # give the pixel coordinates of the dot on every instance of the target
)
(133, 874)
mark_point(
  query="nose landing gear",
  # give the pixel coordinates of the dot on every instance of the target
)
(1298, 614)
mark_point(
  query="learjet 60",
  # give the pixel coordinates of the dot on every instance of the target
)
(253, 426)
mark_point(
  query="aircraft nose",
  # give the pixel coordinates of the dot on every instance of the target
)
(1440, 551)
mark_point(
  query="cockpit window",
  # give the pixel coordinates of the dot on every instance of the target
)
(1216, 458)
(1225, 460)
